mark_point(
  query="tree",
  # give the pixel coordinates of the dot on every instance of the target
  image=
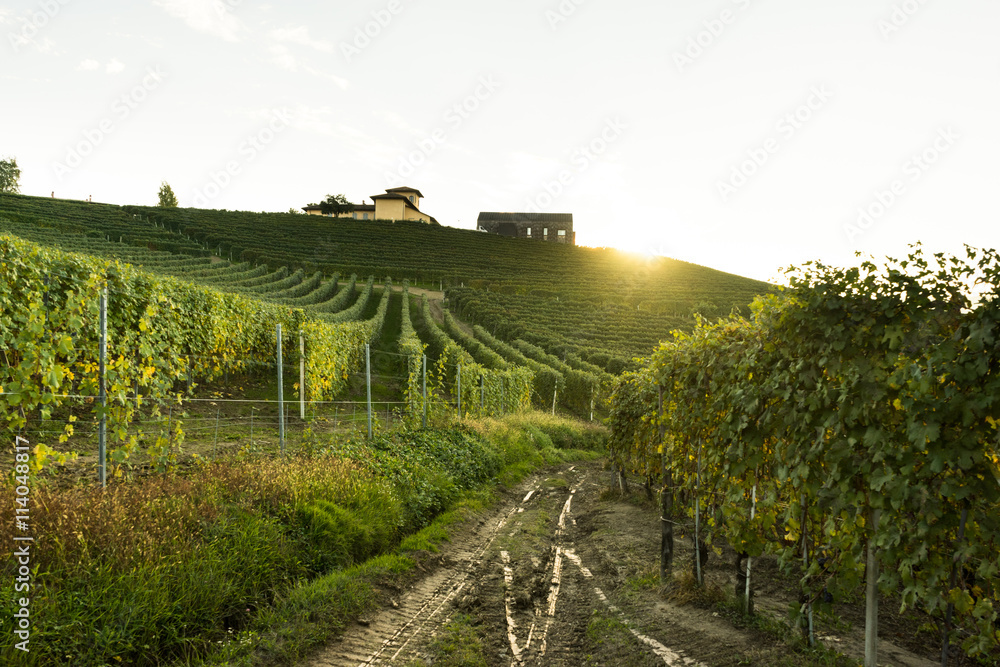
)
(10, 176)
(336, 205)
(167, 197)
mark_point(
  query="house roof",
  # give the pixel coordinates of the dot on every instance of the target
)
(358, 207)
(555, 218)
(406, 189)
(396, 195)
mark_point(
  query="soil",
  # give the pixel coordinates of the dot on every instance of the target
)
(564, 571)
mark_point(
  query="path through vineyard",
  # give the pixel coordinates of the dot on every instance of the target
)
(562, 572)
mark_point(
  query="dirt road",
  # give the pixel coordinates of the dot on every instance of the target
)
(562, 573)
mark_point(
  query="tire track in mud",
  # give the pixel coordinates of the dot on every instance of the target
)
(532, 578)
(396, 636)
(563, 552)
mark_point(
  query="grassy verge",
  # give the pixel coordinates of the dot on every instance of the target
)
(255, 561)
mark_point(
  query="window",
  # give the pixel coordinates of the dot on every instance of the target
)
(562, 232)
(529, 232)
(411, 199)
(365, 216)
(545, 232)
(354, 215)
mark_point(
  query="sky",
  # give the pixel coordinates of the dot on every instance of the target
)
(744, 135)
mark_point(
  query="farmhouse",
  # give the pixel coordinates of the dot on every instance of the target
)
(396, 204)
(555, 227)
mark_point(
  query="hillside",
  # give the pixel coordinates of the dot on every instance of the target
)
(563, 298)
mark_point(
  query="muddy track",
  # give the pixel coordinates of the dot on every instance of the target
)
(555, 576)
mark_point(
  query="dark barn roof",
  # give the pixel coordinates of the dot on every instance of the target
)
(560, 218)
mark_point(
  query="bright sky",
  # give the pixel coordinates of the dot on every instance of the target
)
(744, 135)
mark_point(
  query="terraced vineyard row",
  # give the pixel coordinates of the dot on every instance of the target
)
(601, 304)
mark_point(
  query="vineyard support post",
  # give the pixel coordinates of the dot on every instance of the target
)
(555, 392)
(252, 408)
(458, 386)
(368, 384)
(666, 504)
(697, 521)
(102, 429)
(753, 511)
(281, 396)
(954, 572)
(591, 405)
(215, 445)
(871, 596)
(409, 393)
(482, 394)
(425, 391)
(302, 375)
(805, 568)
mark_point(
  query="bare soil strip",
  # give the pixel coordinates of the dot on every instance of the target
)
(557, 576)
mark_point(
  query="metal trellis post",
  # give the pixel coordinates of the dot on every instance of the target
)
(281, 397)
(102, 433)
(368, 382)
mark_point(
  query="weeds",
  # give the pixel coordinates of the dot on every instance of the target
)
(247, 560)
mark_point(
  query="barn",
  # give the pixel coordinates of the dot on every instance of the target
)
(553, 227)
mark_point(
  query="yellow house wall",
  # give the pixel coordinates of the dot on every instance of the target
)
(389, 209)
(413, 215)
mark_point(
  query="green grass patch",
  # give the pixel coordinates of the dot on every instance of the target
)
(458, 645)
(248, 560)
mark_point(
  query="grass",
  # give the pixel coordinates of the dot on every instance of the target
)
(457, 645)
(248, 560)
(608, 637)
(684, 589)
